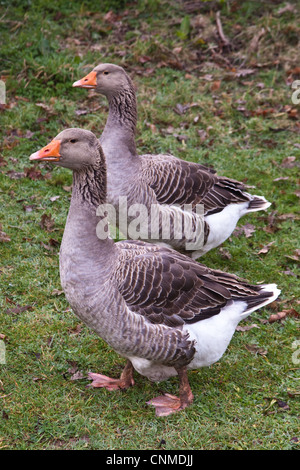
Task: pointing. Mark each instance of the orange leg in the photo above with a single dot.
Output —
(125, 380)
(168, 404)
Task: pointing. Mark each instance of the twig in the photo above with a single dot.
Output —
(255, 40)
(223, 38)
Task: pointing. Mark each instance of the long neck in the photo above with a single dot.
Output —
(119, 133)
(81, 245)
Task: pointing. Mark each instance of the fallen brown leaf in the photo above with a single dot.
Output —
(288, 7)
(57, 292)
(33, 173)
(283, 314)
(215, 85)
(15, 175)
(77, 375)
(266, 248)
(254, 349)
(224, 253)
(2, 161)
(244, 72)
(288, 272)
(295, 256)
(45, 107)
(247, 230)
(19, 309)
(47, 223)
(246, 327)
(287, 216)
(3, 236)
(29, 208)
(282, 178)
(288, 162)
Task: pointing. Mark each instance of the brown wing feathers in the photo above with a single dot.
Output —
(179, 182)
(168, 288)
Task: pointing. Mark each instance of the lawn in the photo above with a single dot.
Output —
(211, 89)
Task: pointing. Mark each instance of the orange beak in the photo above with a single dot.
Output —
(89, 81)
(50, 153)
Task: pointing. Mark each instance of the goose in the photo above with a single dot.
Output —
(164, 312)
(177, 188)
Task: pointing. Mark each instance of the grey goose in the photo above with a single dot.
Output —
(162, 311)
(166, 181)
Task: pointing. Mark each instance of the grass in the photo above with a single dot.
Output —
(245, 126)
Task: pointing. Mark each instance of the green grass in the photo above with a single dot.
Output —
(243, 126)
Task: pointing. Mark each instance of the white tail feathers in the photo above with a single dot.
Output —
(258, 203)
(274, 293)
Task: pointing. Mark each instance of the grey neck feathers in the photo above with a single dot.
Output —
(89, 184)
(88, 193)
(122, 119)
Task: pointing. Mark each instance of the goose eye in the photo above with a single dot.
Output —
(73, 141)
(105, 72)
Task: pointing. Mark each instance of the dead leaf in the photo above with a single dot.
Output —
(224, 253)
(111, 17)
(3, 236)
(287, 216)
(57, 292)
(47, 223)
(81, 112)
(53, 242)
(29, 207)
(33, 173)
(246, 327)
(255, 40)
(288, 162)
(19, 309)
(288, 7)
(262, 112)
(183, 108)
(254, 349)
(283, 314)
(45, 107)
(295, 256)
(152, 127)
(2, 161)
(247, 230)
(15, 175)
(283, 405)
(244, 72)
(215, 85)
(180, 108)
(266, 248)
(76, 330)
(288, 272)
(77, 375)
(38, 379)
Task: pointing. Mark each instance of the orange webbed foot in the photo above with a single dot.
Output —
(125, 381)
(166, 404)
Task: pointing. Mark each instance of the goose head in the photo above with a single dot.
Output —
(72, 148)
(107, 79)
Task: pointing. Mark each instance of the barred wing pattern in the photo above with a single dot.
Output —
(176, 181)
(170, 289)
